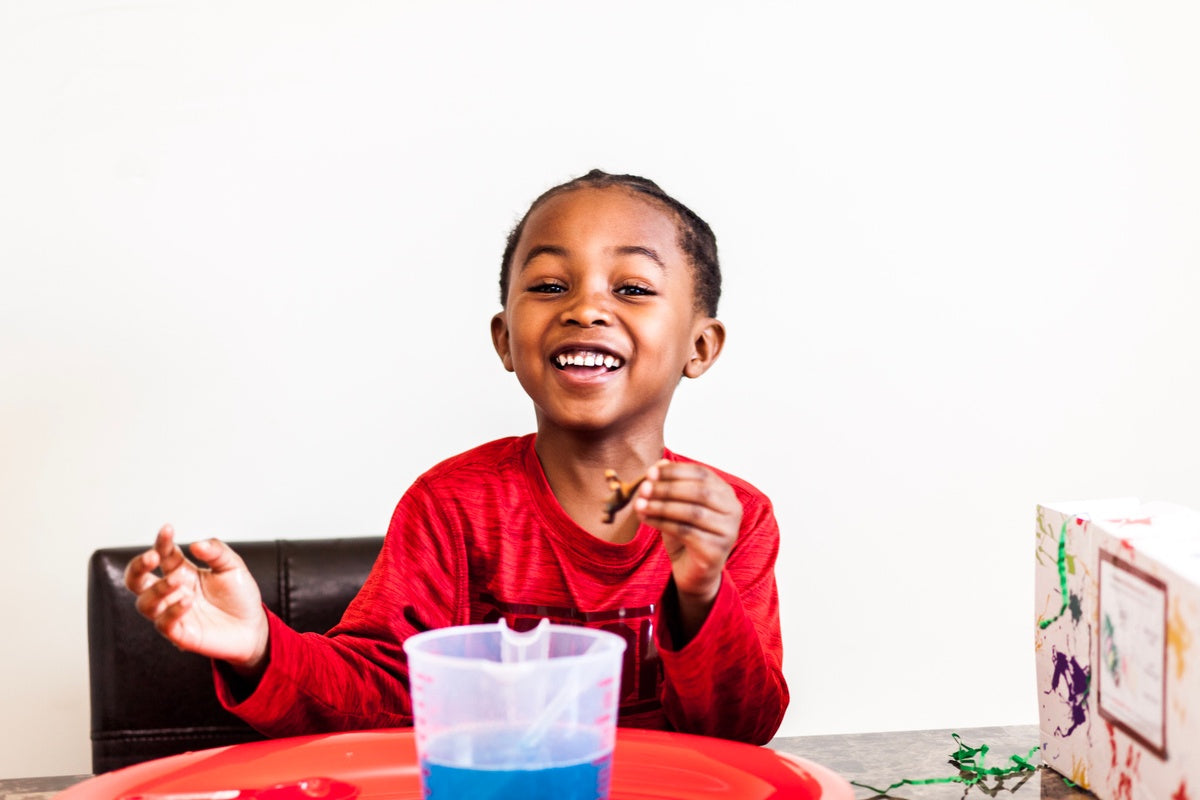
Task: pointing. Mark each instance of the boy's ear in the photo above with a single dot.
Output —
(707, 342)
(500, 340)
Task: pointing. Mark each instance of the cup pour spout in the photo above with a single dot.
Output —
(532, 645)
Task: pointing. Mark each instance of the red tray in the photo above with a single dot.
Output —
(647, 765)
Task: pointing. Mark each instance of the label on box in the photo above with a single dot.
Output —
(1132, 690)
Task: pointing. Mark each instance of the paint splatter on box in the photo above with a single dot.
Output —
(1117, 615)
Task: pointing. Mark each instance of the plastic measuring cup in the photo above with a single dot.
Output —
(502, 714)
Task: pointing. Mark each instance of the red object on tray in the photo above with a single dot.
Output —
(647, 765)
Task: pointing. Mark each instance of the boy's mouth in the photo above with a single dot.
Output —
(586, 358)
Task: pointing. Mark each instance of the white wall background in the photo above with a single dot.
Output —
(248, 253)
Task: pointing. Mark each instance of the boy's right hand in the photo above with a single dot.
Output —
(216, 612)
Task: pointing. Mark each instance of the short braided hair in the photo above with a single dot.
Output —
(696, 238)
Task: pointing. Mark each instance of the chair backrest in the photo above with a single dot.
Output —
(150, 700)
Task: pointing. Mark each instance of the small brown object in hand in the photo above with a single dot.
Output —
(622, 493)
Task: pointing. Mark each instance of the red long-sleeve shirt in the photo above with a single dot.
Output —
(481, 536)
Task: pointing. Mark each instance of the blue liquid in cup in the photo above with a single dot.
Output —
(566, 765)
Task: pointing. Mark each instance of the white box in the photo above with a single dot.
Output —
(1118, 621)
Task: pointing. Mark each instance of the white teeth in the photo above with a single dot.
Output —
(583, 358)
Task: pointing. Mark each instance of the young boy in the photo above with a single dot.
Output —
(609, 290)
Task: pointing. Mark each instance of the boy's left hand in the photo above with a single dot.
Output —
(699, 517)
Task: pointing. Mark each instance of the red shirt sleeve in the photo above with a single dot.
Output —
(356, 676)
(728, 680)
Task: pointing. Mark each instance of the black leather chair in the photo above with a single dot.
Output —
(150, 700)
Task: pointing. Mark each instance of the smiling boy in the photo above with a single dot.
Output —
(609, 290)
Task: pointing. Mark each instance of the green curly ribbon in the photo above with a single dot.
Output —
(1062, 577)
(970, 763)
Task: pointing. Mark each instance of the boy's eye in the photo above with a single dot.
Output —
(634, 290)
(547, 288)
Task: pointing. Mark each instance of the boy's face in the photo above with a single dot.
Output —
(600, 321)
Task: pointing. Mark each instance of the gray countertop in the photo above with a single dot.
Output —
(874, 759)
(882, 759)
(36, 788)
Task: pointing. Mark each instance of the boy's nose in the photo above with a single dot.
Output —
(590, 308)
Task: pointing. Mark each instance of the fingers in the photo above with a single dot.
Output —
(166, 592)
(170, 555)
(157, 592)
(207, 609)
(219, 556)
(699, 516)
(166, 601)
(139, 572)
(682, 497)
(171, 622)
